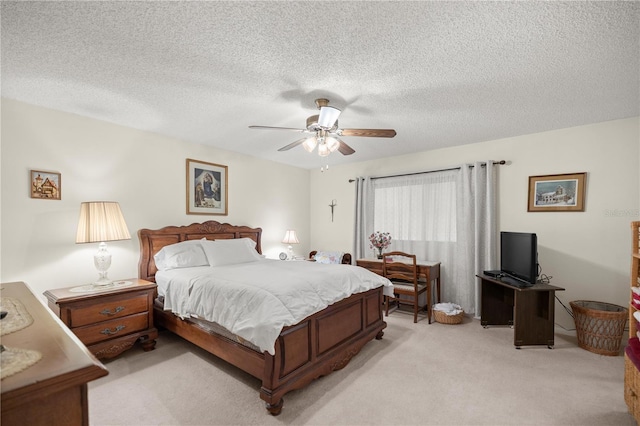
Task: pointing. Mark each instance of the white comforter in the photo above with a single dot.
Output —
(256, 300)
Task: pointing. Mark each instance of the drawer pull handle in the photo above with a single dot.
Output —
(110, 313)
(115, 330)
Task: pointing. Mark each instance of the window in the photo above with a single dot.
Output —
(418, 207)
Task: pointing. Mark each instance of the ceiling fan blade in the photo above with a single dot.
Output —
(292, 144)
(344, 148)
(278, 128)
(372, 133)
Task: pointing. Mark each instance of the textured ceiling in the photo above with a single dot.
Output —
(440, 73)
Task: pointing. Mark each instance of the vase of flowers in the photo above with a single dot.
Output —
(379, 241)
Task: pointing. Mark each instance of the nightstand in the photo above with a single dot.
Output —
(108, 321)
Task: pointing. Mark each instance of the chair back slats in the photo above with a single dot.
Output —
(402, 270)
(401, 266)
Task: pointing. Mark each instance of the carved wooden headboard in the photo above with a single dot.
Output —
(152, 240)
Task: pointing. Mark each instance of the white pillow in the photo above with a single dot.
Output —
(329, 257)
(185, 254)
(229, 252)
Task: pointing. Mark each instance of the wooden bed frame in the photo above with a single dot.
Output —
(321, 343)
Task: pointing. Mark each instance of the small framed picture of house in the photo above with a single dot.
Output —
(207, 188)
(557, 193)
(45, 185)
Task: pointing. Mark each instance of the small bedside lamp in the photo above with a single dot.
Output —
(290, 237)
(101, 221)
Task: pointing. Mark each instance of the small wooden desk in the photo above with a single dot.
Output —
(530, 310)
(430, 270)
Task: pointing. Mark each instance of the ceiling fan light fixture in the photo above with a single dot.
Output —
(332, 143)
(310, 144)
(323, 150)
(328, 116)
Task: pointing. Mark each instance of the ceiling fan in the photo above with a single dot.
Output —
(322, 131)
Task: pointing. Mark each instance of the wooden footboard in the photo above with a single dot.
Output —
(322, 343)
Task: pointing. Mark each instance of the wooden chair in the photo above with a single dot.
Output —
(401, 269)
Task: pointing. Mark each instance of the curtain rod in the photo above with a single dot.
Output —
(499, 163)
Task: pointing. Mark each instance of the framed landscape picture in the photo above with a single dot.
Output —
(207, 188)
(557, 193)
(45, 185)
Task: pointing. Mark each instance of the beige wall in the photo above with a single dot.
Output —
(143, 171)
(585, 252)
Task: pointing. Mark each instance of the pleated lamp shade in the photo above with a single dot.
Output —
(101, 221)
(290, 237)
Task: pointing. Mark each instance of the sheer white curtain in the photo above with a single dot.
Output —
(446, 216)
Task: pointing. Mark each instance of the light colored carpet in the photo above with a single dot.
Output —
(418, 374)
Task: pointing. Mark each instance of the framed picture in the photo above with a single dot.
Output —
(207, 189)
(557, 193)
(45, 185)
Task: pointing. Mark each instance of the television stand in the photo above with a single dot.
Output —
(530, 311)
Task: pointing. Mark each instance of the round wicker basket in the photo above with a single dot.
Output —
(599, 326)
(443, 318)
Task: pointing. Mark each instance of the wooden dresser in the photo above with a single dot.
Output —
(53, 390)
(109, 321)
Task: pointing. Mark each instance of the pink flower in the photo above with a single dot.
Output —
(379, 240)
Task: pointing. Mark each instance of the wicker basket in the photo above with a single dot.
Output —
(599, 326)
(443, 318)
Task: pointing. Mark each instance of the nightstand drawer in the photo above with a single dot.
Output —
(113, 328)
(105, 311)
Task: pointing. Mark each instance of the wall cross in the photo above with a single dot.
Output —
(332, 205)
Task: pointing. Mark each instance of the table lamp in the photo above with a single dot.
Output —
(290, 237)
(101, 221)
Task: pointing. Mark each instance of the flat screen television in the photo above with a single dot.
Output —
(519, 255)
